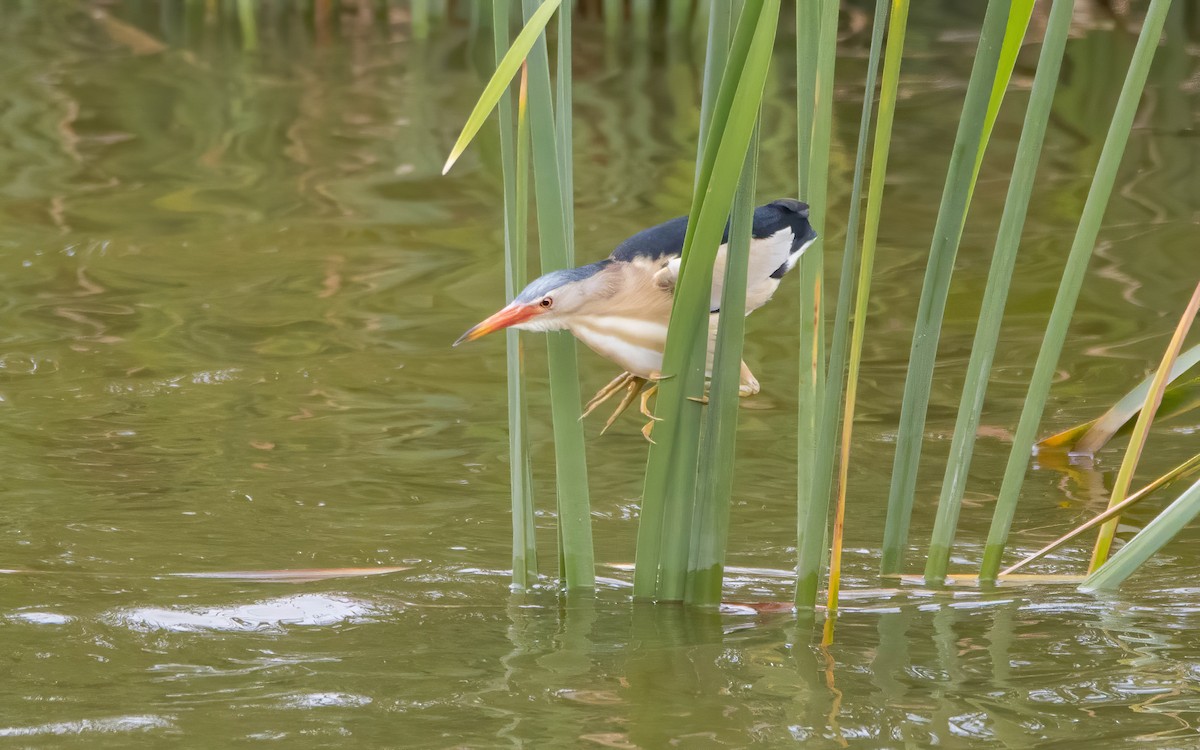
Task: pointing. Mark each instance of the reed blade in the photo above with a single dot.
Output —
(557, 250)
(960, 179)
(1014, 37)
(1069, 287)
(817, 30)
(1092, 436)
(1141, 431)
(506, 70)
(995, 295)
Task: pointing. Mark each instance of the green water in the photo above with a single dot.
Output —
(231, 281)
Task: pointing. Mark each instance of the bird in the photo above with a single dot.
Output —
(620, 306)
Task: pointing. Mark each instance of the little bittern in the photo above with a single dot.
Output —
(620, 306)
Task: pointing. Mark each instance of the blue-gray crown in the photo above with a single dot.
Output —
(547, 283)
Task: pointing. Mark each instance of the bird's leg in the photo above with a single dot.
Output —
(607, 391)
(635, 385)
(748, 386)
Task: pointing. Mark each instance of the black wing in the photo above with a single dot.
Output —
(666, 239)
(662, 241)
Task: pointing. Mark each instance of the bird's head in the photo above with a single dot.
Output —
(548, 302)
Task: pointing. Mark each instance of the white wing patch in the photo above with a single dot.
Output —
(794, 258)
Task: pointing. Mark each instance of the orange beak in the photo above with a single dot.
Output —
(509, 316)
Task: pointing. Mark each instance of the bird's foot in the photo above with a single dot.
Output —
(745, 390)
(627, 381)
(607, 392)
(634, 386)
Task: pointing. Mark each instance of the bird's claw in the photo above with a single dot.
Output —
(645, 405)
(644, 408)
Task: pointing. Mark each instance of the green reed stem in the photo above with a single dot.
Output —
(557, 251)
(614, 18)
(716, 51)
(811, 365)
(730, 141)
(679, 15)
(812, 455)
(669, 494)
(564, 123)
(650, 525)
(514, 161)
(642, 12)
(246, 21)
(947, 232)
(987, 331)
(1072, 282)
(842, 318)
(714, 490)
(419, 13)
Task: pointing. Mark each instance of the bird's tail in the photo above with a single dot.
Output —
(792, 205)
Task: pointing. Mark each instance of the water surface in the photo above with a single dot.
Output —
(232, 281)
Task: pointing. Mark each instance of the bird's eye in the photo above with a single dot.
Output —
(546, 302)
